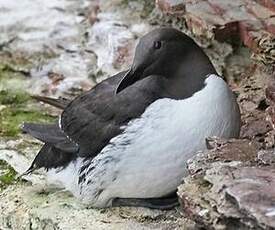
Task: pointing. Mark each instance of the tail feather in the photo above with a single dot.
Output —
(50, 133)
(44, 132)
(50, 157)
(58, 150)
(60, 102)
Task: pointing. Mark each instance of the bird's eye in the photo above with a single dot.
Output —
(157, 44)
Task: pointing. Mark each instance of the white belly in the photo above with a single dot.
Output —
(148, 158)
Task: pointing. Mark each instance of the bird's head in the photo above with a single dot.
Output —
(166, 52)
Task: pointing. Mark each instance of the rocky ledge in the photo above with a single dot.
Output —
(230, 186)
(248, 21)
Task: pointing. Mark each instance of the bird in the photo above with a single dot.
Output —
(126, 141)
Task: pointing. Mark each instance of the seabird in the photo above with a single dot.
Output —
(126, 141)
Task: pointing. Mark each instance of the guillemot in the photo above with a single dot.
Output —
(126, 141)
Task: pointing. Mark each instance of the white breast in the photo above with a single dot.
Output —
(148, 158)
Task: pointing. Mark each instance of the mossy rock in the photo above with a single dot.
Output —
(12, 118)
(7, 175)
(14, 111)
(15, 103)
(8, 97)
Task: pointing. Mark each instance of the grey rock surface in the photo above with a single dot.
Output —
(230, 187)
(27, 207)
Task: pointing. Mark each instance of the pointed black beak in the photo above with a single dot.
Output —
(130, 77)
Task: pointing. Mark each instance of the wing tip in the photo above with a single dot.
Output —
(24, 126)
(60, 102)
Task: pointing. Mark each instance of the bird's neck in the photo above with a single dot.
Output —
(189, 77)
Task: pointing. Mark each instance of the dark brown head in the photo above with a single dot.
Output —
(166, 52)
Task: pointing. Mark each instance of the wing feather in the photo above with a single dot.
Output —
(95, 117)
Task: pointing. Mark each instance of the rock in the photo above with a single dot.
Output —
(72, 45)
(243, 20)
(265, 51)
(175, 7)
(266, 157)
(268, 3)
(39, 26)
(27, 207)
(227, 188)
(62, 75)
(93, 11)
(270, 95)
(221, 150)
(253, 103)
(113, 37)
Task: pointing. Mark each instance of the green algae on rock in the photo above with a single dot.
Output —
(14, 111)
(7, 175)
(12, 118)
(8, 97)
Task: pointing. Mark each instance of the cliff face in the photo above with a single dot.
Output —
(62, 48)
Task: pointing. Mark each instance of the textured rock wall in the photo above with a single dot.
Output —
(251, 22)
